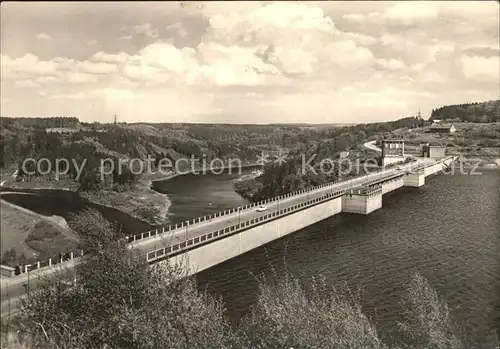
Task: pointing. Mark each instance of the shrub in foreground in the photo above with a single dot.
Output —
(120, 302)
(288, 316)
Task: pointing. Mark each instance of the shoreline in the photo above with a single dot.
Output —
(131, 202)
(103, 200)
(58, 223)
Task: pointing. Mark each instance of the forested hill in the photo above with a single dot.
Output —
(470, 112)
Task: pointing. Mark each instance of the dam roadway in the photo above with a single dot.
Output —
(13, 288)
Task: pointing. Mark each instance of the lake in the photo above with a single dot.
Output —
(447, 231)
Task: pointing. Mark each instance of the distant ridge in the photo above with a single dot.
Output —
(470, 112)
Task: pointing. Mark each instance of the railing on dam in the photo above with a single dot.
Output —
(62, 258)
(180, 247)
(210, 218)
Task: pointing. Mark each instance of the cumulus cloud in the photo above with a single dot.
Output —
(26, 66)
(410, 13)
(354, 17)
(121, 57)
(476, 67)
(144, 73)
(96, 68)
(168, 57)
(361, 39)
(296, 38)
(57, 70)
(145, 29)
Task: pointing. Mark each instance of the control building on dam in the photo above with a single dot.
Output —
(207, 241)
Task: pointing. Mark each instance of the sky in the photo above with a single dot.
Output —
(246, 62)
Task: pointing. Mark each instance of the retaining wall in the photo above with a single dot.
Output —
(362, 204)
(415, 180)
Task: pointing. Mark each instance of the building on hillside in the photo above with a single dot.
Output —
(433, 151)
(443, 128)
(393, 151)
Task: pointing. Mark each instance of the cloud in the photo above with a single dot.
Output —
(178, 28)
(391, 64)
(78, 95)
(26, 83)
(476, 67)
(145, 29)
(298, 39)
(231, 65)
(346, 53)
(43, 36)
(46, 79)
(168, 57)
(404, 13)
(126, 37)
(415, 55)
(410, 13)
(57, 70)
(118, 58)
(361, 39)
(290, 16)
(92, 42)
(26, 66)
(96, 68)
(116, 94)
(80, 78)
(354, 17)
(109, 94)
(482, 50)
(144, 73)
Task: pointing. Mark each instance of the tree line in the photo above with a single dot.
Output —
(41, 122)
(289, 176)
(469, 112)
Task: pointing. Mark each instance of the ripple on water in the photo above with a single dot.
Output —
(447, 231)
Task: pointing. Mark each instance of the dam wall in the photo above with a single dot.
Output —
(222, 250)
(392, 184)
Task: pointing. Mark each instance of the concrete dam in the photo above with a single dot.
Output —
(284, 215)
(207, 241)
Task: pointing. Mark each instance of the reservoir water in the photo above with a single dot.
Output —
(194, 196)
(447, 230)
(64, 204)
